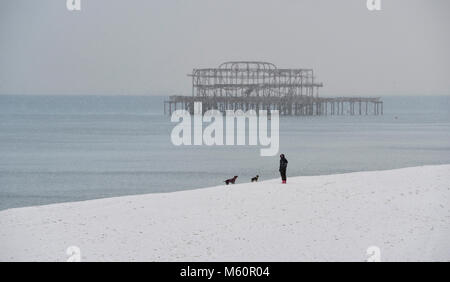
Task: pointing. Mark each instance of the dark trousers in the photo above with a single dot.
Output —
(283, 174)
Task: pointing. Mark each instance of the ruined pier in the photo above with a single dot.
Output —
(262, 86)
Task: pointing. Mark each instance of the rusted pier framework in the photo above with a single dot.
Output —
(261, 85)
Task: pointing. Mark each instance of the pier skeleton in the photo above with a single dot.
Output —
(249, 85)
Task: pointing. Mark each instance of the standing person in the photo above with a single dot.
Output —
(283, 167)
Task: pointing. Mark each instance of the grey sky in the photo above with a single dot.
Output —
(147, 47)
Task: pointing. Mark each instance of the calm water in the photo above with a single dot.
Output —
(58, 149)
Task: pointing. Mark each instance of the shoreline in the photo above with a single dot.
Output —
(212, 187)
(315, 218)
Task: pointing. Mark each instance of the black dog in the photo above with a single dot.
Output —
(255, 179)
(231, 180)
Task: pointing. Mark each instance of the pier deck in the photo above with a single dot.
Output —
(296, 106)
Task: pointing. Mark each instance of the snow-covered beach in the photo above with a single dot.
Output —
(404, 212)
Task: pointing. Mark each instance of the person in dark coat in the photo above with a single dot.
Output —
(283, 167)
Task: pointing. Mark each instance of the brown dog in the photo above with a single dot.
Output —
(255, 179)
(231, 180)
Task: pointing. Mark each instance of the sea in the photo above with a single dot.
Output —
(56, 149)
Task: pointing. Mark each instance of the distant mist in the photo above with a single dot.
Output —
(146, 47)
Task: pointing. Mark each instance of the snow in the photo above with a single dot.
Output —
(404, 212)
